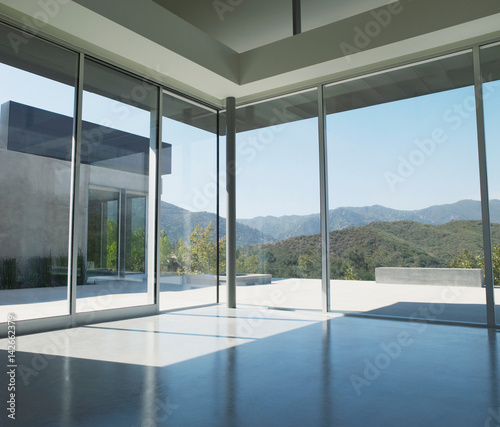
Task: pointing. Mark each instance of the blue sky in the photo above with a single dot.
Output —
(193, 182)
(408, 154)
(374, 153)
(278, 170)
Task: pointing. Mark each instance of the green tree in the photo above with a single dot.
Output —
(138, 250)
(251, 265)
(112, 245)
(306, 264)
(181, 257)
(240, 261)
(166, 252)
(467, 260)
(112, 256)
(203, 250)
(309, 264)
(496, 264)
(222, 254)
(350, 274)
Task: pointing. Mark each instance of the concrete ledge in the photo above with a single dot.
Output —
(201, 280)
(468, 277)
(250, 279)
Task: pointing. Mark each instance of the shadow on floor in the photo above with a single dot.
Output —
(470, 313)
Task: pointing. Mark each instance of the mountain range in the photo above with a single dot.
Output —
(279, 228)
(179, 223)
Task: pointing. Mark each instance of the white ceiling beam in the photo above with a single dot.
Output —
(144, 37)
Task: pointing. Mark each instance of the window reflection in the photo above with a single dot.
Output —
(37, 97)
(114, 191)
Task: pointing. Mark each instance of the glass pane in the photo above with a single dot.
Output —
(37, 84)
(490, 68)
(278, 240)
(188, 254)
(114, 191)
(405, 212)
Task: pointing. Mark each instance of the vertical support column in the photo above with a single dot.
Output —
(483, 178)
(217, 208)
(231, 201)
(75, 195)
(296, 17)
(154, 196)
(324, 205)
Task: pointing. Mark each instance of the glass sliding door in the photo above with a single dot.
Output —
(116, 184)
(37, 92)
(277, 186)
(490, 70)
(405, 211)
(188, 223)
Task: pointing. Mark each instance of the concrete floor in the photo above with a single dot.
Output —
(251, 366)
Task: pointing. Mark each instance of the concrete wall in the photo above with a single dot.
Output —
(469, 277)
(34, 205)
(35, 197)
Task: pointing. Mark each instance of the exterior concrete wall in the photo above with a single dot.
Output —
(35, 197)
(34, 205)
(468, 277)
(35, 178)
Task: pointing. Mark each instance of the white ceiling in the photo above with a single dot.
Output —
(243, 25)
(247, 50)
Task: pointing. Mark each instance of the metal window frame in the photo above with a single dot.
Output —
(324, 203)
(485, 201)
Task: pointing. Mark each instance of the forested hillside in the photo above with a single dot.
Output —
(356, 251)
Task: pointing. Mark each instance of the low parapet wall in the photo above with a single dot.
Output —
(200, 280)
(250, 279)
(469, 277)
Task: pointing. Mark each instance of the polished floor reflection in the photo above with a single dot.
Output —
(212, 366)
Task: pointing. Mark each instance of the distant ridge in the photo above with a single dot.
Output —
(179, 223)
(284, 227)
